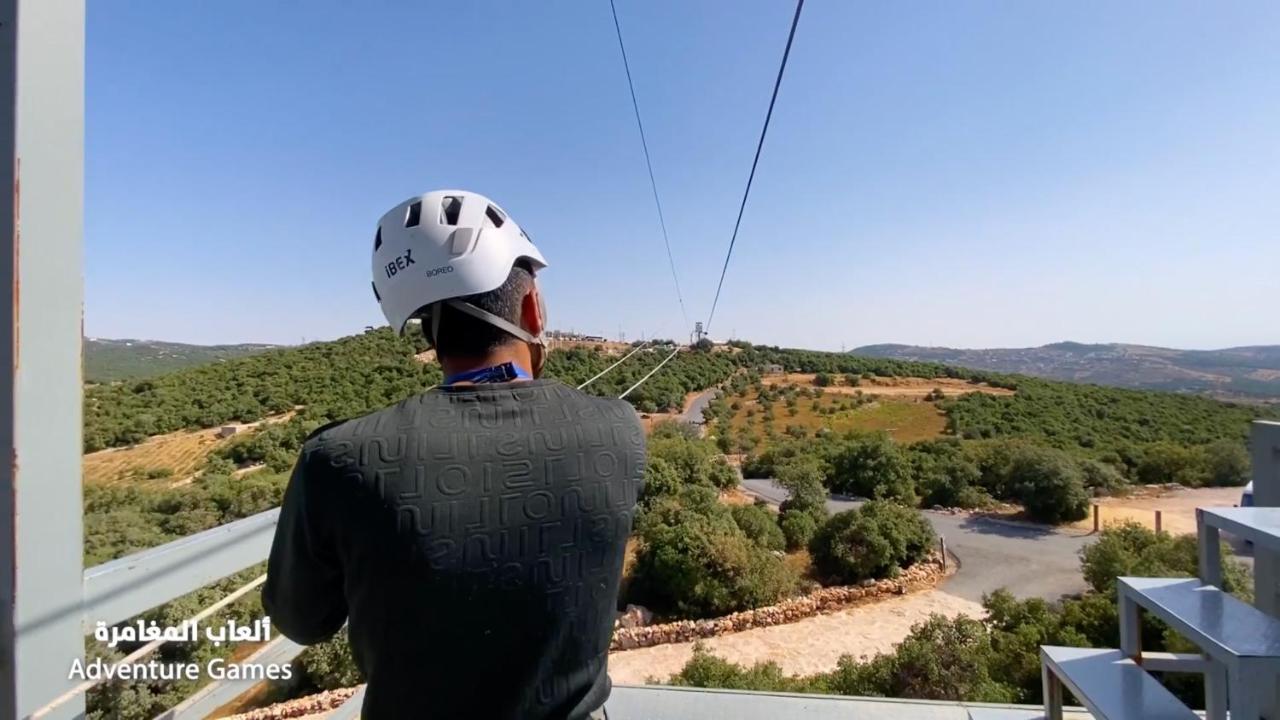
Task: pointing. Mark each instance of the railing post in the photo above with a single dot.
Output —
(1159, 524)
(1264, 446)
(41, 226)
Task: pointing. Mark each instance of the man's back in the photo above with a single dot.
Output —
(475, 536)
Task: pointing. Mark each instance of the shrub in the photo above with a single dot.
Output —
(660, 479)
(694, 561)
(1133, 550)
(798, 529)
(871, 466)
(1226, 464)
(329, 665)
(705, 670)
(1100, 476)
(690, 458)
(1049, 485)
(722, 475)
(942, 659)
(822, 379)
(1166, 462)
(945, 476)
(876, 540)
(760, 525)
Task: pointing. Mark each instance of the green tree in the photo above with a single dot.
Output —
(802, 477)
(874, 541)
(1168, 462)
(1133, 550)
(694, 561)
(721, 474)
(798, 529)
(760, 526)
(871, 466)
(1226, 464)
(1049, 485)
(660, 480)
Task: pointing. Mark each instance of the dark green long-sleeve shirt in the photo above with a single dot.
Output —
(472, 538)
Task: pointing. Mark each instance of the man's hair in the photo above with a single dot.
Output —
(461, 335)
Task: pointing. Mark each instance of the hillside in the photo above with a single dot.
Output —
(921, 433)
(346, 378)
(108, 360)
(1239, 373)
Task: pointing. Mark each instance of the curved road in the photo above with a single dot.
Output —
(693, 414)
(1028, 560)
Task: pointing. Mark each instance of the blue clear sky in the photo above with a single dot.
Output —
(950, 173)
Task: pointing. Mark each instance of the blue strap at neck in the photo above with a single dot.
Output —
(506, 372)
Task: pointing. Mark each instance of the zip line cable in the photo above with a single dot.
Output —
(600, 374)
(759, 146)
(648, 163)
(650, 374)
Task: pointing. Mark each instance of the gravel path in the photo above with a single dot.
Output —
(804, 647)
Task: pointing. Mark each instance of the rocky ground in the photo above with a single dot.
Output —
(807, 646)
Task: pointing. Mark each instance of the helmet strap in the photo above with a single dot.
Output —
(435, 322)
(494, 320)
(538, 347)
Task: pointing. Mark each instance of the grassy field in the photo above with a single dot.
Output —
(905, 420)
(898, 406)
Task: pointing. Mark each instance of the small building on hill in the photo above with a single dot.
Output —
(227, 431)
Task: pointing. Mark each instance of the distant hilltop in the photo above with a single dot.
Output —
(107, 360)
(1240, 373)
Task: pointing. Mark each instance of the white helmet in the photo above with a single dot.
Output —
(445, 245)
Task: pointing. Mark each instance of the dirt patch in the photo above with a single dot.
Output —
(179, 454)
(893, 387)
(736, 496)
(1177, 508)
(805, 647)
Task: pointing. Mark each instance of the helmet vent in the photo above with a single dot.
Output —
(414, 215)
(495, 216)
(450, 209)
(377, 239)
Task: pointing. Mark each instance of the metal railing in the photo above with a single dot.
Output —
(121, 589)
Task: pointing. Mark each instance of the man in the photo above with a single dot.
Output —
(471, 537)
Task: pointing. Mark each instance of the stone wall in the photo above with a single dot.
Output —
(819, 602)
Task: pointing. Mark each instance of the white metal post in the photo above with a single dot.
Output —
(1264, 446)
(41, 211)
(1264, 442)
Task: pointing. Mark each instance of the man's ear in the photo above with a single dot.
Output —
(531, 318)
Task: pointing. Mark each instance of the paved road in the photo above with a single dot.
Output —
(693, 415)
(1029, 560)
